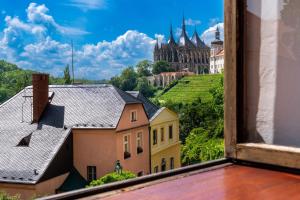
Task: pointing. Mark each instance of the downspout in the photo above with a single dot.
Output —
(149, 128)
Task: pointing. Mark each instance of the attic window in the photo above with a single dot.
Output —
(25, 141)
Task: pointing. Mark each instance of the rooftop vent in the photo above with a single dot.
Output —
(25, 141)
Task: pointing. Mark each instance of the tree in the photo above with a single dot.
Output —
(200, 147)
(144, 87)
(112, 177)
(67, 76)
(143, 68)
(162, 66)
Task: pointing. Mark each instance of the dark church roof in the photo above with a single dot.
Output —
(197, 41)
(171, 40)
(95, 106)
(184, 40)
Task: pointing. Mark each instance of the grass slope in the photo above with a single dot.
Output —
(191, 87)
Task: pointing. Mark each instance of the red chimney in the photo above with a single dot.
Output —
(40, 90)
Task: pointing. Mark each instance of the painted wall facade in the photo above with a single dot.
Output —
(165, 147)
(102, 148)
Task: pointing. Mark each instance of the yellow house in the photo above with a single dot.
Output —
(165, 144)
(164, 135)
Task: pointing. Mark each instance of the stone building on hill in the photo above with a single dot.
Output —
(185, 54)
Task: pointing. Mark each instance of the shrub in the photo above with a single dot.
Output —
(4, 196)
(112, 177)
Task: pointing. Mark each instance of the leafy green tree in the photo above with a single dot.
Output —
(112, 177)
(200, 147)
(67, 76)
(162, 66)
(116, 81)
(144, 87)
(128, 79)
(143, 68)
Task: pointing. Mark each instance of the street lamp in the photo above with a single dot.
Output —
(118, 167)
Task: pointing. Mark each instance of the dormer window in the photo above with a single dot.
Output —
(133, 116)
(24, 142)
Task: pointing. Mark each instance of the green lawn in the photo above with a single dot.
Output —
(191, 87)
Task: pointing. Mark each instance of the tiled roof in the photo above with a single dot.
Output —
(150, 108)
(96, 106)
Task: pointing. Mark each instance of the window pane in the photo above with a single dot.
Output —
(272, 66)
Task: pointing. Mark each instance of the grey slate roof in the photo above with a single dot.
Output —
(96, 106)
(149, 107)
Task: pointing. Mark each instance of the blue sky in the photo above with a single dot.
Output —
(108, 35)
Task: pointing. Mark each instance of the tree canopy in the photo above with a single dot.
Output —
(161, 66)
(143, 68)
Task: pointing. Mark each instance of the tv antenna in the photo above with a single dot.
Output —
(72, 62)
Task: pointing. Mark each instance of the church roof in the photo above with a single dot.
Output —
(184, 39)
(171, 37)
(197, 41)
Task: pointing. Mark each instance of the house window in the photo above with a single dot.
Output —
(154, 136)
(171, 132)
(162, 134)
(155, 169)
(163, 164)
(133, 116)
(139, 142)
(91, 173)
(126, 143)
(171, 163)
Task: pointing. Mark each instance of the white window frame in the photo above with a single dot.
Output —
(127, 142)
(139, 139)
(136, 118)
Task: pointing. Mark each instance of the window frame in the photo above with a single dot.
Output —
(162, 134)
(236, 147)
(171, 132)
(128, 142)
(172, 163)
(133, 119)
(154, 142)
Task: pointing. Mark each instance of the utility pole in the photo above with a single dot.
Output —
(72, 62)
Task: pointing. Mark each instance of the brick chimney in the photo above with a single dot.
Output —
(40, 90)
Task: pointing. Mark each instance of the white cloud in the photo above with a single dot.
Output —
(160, 38)
(30, 44)
(209, 34)
(37, 14)
(192, 22)
(213, 21)
(88, 4)
(178, 32)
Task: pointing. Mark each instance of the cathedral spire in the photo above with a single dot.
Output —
(171, 37)
(183, 24)
(217, 33)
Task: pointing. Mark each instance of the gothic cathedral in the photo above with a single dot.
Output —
(186, 54)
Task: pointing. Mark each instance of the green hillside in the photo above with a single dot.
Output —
(191, 87)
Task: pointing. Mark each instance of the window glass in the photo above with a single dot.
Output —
(171, 163)
(154, 136)
(162, 134)
(272, 69)
(170, 132)
(133, 116)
